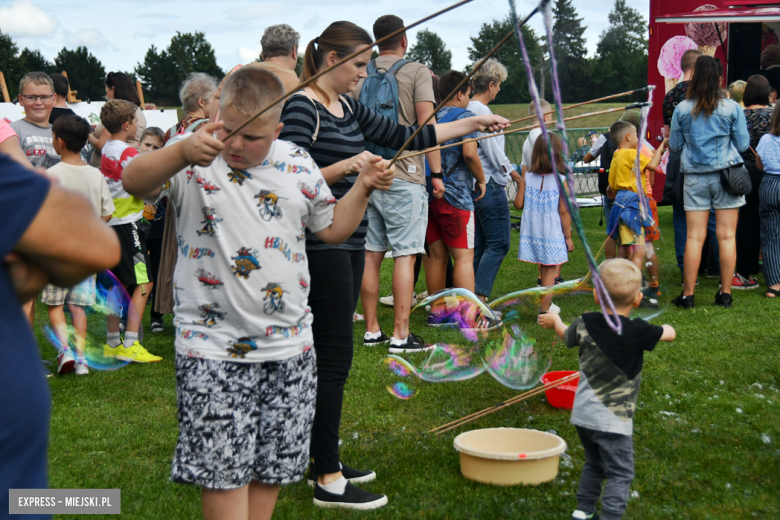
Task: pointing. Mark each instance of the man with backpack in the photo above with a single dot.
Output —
(397, 219)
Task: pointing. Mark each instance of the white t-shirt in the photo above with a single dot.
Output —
(241, 282)
(528, 147)
(116, 156)
(88, 181)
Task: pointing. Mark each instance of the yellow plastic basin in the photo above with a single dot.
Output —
(509, 456)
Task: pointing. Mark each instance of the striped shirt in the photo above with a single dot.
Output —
(342, 138)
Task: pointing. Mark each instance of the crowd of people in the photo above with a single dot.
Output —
(297, 211)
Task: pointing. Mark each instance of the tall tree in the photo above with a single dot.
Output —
(515, 88)
(163, 72)
(85, 72)
(570, 51)
(431, 52)
(11, 65)
(621, 55)
(34, 60)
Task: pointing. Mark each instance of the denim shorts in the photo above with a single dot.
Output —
(397, 219)
(703, 191)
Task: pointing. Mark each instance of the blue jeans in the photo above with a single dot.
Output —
(608, 203)
(681, 235)
(491, 237)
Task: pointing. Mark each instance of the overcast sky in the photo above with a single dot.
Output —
(119, 32)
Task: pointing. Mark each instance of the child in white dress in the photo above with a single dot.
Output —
(545, 230)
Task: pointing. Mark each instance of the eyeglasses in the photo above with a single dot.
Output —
(45, 99)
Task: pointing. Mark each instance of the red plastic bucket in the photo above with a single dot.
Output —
(561, 396)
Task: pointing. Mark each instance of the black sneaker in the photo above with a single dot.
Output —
(381, 340)
(157, 326)
(539, 282)
(723, 299)
(712, 274)
(353, 475)
(559, 279)
(412, 344)
(649, 303)
(684, 302)
(353, 498)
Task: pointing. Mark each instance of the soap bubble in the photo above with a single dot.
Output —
(401, 391)
(399, 368)
(516, 361)
(102, 299)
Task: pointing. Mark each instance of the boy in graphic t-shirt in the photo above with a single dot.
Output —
(245, 367)
(37, 97)
(605, 402)
(119, 118)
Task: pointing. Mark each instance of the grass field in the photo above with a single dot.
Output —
(707, 433)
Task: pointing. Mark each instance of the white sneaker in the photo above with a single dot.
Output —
(390, 301)
(65, 363)
(358, 317)
(80, 369)
(422, 296)
(554, 308)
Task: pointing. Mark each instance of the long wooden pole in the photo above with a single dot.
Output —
(522, 129)
(477, 415)
(340, 63)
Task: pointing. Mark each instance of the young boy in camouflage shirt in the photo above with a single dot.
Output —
(610, 372)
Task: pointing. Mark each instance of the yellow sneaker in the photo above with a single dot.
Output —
(136, 353)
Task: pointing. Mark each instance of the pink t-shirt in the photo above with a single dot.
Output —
(6, 131)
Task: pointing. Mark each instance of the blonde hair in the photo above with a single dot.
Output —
(622, 280)
(490, 71)
(737, 90)
(249, 89)
(546, 107)
(116, 113)
(36, 78)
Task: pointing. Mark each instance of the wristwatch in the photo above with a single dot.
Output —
(437, 175)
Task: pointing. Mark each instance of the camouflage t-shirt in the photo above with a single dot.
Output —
(610, 367)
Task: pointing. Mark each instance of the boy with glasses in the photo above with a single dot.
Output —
(37, 97)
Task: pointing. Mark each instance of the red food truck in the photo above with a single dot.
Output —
(743, 34)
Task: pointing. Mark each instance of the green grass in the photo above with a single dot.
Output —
(696, 457)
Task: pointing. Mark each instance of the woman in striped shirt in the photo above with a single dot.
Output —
(334, 129)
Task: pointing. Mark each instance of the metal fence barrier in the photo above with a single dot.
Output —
(585, 175)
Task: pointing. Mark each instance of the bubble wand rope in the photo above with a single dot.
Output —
(457, 88)
(524, 128)
(503, 404)
(571, 200)
(340, 63)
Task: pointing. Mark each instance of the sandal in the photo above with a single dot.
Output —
(774, 292)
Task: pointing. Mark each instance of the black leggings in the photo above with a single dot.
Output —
(336, 277)
(749, 228)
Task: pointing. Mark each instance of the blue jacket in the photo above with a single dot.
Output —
(709, 144)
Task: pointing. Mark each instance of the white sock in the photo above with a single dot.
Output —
(372, 335)
(113, 339)
(337, 487)
(130, 338)
(398, 342)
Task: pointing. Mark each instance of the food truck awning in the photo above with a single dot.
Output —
(741, 14)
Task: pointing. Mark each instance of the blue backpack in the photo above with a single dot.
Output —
(380, 94)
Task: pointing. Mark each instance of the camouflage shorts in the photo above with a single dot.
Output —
(244, 421)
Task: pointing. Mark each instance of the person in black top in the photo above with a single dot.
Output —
(61, 88)
(608, 387)
(334, 129)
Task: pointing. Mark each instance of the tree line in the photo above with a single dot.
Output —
(620, 61)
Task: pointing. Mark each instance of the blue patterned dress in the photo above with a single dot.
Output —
(541, 236)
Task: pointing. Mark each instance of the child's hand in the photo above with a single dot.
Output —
(356, 163)
(202, 147)
(548, 320)
(480, 187)
(663, 144)
(489, 124)
(438, 188)
(569, 245)
(376, 174)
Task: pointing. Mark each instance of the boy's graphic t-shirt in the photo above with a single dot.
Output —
(621, 171)
(458, 181)
(610, 370)
(36, 143)
(241, 283)
(115, 157)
